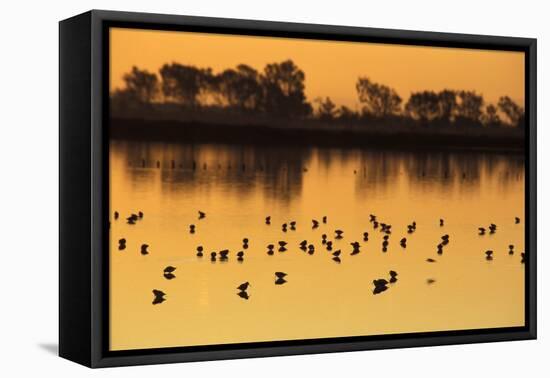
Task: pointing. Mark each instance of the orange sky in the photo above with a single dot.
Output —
(331, 67)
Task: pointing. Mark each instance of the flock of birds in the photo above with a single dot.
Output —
(380, 284)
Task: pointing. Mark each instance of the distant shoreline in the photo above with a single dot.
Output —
(402, 138)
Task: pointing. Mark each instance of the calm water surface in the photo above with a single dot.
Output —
(238, 186)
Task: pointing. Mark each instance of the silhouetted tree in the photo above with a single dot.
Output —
(240, 87)
(377, 99)
(347, 115)
(513, 111)
(284, 94)
(469, 107)
(447, 105)
(141, 85)
(184, 84)
(423, 106)
(327, 109)
(490, 117)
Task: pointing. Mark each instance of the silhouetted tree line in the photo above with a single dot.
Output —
(280, 90)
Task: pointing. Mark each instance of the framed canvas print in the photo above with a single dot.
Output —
(234, 188)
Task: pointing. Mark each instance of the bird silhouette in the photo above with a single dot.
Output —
(199, 251)
(140, 214)
(336, 253)
(441, 222)
(223, 254)
(365, 236)
(516, 219)
(380, 285)
(192, 228)
(244, 286)
(489, 255)
(116, 215)
(159, 296)
(315, 223)
(481, 231)
(144, 250)
(430, 281)
(280, 281)
(293, 225)
(511, 249)
(393, 276)
(430, 260)
(522, 257)
(338, 234)
(202, 215)
(213, 256)
(268, 220)
(337, 259)
(280, 274)
(325, 219)
(403, 242)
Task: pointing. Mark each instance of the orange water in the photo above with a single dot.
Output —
(321, 298)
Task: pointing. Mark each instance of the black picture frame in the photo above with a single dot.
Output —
(83, 195)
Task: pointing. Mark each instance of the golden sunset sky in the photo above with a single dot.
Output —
(331, 67)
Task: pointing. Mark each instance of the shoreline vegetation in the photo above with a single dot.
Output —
(242, 105)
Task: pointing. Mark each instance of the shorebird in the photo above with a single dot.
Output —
(169, 272)
(159, 296)
(243, 286)
(223, 254)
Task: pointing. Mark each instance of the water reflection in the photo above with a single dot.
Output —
(279, 172)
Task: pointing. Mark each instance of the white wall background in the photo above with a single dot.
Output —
(29, 186)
